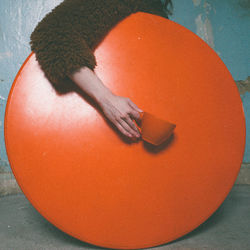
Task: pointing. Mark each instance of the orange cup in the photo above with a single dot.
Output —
(153, 129)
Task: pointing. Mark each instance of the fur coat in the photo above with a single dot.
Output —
(65, 39)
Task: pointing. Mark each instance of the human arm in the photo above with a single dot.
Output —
(119, 110)
(62, 52)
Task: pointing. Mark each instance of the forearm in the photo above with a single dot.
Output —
(119, 110)
(91, 84)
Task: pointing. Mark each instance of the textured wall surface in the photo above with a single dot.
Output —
(223, 24)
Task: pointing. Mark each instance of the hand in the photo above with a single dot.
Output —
(120, 111)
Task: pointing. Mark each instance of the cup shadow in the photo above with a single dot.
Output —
(153, 149)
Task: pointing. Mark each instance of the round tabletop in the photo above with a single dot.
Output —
(88, 180)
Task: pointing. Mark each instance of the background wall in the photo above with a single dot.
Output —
(223, 24)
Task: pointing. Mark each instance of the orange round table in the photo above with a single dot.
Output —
(88, 180)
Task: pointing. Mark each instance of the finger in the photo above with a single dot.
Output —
(122, 130)
(134, 114)
(134, 106)
(128, 128)
(132, 125)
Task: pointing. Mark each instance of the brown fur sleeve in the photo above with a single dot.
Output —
(61, 53)
(59, 49)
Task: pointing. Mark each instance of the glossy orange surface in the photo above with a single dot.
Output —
(89, 181)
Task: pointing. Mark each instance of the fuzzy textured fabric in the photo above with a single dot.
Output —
(65, 39)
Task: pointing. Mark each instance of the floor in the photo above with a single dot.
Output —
(22, 227)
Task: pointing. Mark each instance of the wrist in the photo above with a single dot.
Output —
(103, 97)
